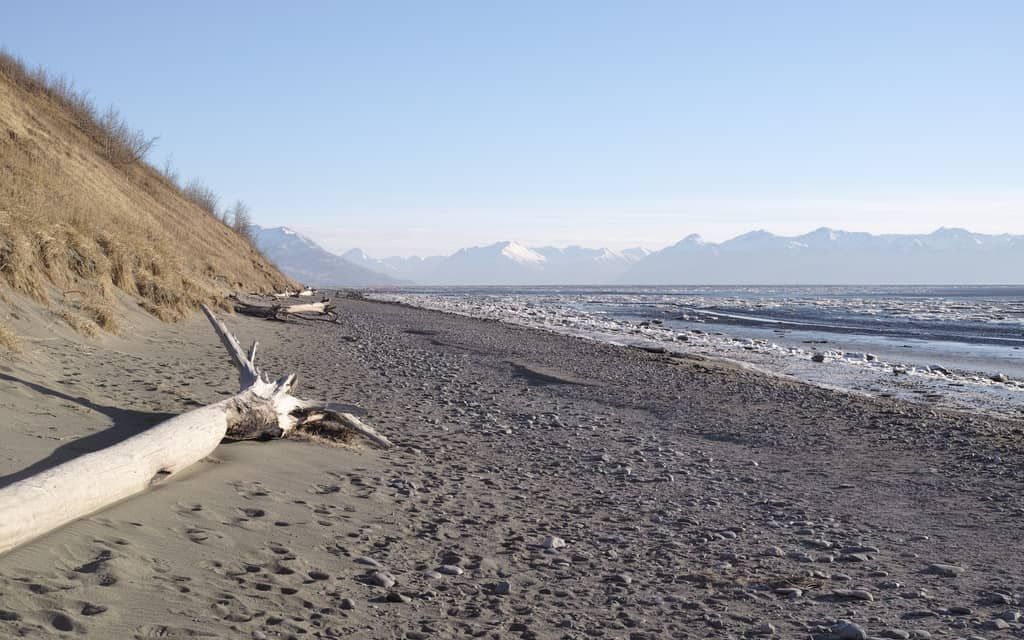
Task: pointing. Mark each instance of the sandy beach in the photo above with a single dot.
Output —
(543, 486)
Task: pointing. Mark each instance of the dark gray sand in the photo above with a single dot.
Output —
(543, 487)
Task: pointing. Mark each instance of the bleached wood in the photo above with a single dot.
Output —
(260, 410)
(31, 507)
(281, 312)
(309, 307)
(363, 430)
(247, 372)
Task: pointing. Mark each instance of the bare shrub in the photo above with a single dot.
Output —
(122, 145)
(170, 174)
(202, 195)
(239, 219)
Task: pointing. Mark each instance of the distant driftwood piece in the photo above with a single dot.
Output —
(261, 410)
(294, 294)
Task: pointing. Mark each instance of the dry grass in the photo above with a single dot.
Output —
(82, 325)
(8, 341)
(80, 211)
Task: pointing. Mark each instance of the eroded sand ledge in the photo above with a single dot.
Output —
(695, 499)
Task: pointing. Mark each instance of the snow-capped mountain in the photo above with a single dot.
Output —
(499, 263)
(508, 263)
(309, 263)
(360, 258)
(823, 256)
(829, 256)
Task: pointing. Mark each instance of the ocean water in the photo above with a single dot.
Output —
(951, 345)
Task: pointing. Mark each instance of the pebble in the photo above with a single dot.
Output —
(946, 570)
(845, 630)
(998, 598)
(394, 596)
(765, 629)
(383, 579)
(853, 594)
(348, 604)
(790, 592)
(451, 570)
(554, 542)
(503, 588)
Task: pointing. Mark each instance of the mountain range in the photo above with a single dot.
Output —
(823, 256)
(309, 263)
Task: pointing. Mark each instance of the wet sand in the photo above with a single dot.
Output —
(694, 499)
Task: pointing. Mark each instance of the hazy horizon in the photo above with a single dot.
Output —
(319, 238)
(409, 129)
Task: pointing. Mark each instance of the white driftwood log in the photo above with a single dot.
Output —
(322, 310)
(308, 307)
(261, 410)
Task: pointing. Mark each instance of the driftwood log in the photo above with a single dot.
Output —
(322, 310)
(294, 294)
(261, 410)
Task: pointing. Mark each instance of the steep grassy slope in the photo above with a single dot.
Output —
(78, 222)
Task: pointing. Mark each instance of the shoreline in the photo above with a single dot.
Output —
(694, 498)
(856, 372)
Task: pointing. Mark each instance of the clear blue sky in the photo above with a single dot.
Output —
(419, 127)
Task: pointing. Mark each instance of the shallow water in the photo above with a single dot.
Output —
(946, 346)
(970, 329)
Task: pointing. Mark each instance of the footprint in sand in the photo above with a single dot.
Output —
(63, 622)
(89, 609)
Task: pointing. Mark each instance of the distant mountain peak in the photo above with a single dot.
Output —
(520, 253)
(356, 254)
(824, 233)
(951, 231)
(309, 263)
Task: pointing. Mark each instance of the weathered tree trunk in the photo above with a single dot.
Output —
(261, 410)
(282, 312)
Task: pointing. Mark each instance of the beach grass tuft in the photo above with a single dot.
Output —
(8, 340)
